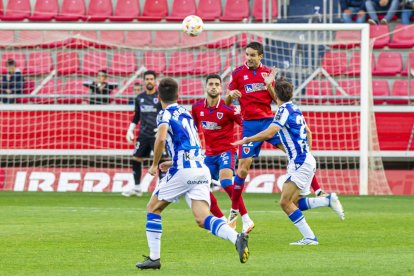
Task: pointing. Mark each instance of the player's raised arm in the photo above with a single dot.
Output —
(309, 135)
(159, 147)
(269, 82)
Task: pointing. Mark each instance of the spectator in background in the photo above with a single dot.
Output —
(100, 87)
(351, 8)
(12, 82)
(407, 11)
(374, 7)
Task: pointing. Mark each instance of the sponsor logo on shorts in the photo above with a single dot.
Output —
(198, 180)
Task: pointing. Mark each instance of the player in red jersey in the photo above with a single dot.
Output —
(252, 85)
(216, 121)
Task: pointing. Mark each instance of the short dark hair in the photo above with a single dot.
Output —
(284, 90)
(168, 90)
(10, 62)
(213, 76)
(103, 72)
(150, 72)
(256, 46)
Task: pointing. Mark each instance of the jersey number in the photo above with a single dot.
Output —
(192, 132)
(300, 120)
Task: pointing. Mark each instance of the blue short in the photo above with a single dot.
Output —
(215, 163)
(252, 127)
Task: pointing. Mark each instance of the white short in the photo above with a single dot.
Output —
(194, 183)
(301, 176)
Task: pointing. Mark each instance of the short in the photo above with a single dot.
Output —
(144, 146)
(252, 127)
(301, 176)
(215, 163)
(193, 183)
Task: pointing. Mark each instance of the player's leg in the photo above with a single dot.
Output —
(154, 232)
(289, 195)
(239, 179)
(214, 207)
(210, 162)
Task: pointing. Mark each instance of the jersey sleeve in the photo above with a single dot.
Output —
(236, 115)
(281, 117)
(233, 81)
(137, 113)
(194, 115)
(163, 117)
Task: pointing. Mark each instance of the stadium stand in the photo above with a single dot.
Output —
(138, 39)
(257, 10)
(155, 61)
(388, 64)
(380, 91)
(17, 10)
(154, 10)
(45, 10)
(380, 34)
(180, 9)
(209, 10)
(403, 37)
(236, 10)
(67, 63)
(166, 39)
(180, 63)
(207, 63)
(18, 57)
(123, 63)
(93, 62)
(335, 63)
(318, 92)
(99, 10)
(126, 10)
(39, 63)
(72, 10)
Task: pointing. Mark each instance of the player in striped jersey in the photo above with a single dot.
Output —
(187, 176)
(291, 127)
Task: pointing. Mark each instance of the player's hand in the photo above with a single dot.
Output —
(269, 79)
(130, 136)
(237, 110)
(239, 142)
(153, 170)
(164, 166)
(235, 94)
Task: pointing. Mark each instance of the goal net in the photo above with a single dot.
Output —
(57, 135)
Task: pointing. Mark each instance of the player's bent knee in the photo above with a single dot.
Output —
(284, 202)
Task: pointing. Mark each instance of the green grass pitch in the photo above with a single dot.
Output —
(104, 234)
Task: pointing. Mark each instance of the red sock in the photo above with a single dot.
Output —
(315, 185)
(214, 208)
(242, 207)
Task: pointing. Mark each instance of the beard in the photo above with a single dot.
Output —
(213, 96)
(150, 86)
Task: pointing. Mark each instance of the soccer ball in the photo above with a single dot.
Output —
(192, 25)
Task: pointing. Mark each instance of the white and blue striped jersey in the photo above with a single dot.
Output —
(292, 132)
(183, 144)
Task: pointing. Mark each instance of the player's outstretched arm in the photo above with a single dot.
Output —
(309, 135)
(159, 147)
(269, 82)
(261, 136)
(232, 95)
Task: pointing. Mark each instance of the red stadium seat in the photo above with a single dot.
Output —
(236, 10)
(28, 87)
(154, 10)
(209, 10)
(93, 62)
(380, 34)
(126, 10)
(234, 60)
(380, 91)
(138, 38)
(257, 11)
(246, 38)
(67, 63)
(352, 88)
(347, 39)
(166, 39)
(388, 64)
(72, 10)
(190, 90)
(180, 9)
(402, 36)
(39, 63)
(99, 10)
(129, 91)
(48, 91)
(123, 63)
(112, 38)
(181, 63)
(73, 88)
(194, 41)
(227, 40)
(45, 10)
(354, 67)
(335, 63)
(17, 10)
(409, 65)
(155, 61)
(207, 63)
(18, 57)
(53, 39)
(30, 39)
(1, 10)
(402, 88)
(318, 92)
(6, 37)
(83, 40)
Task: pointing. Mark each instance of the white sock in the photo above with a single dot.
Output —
(246, 218)
(316, 202)
(219, 228)
(305, 229)
(154, 244)
(137, 187)
(227, 233)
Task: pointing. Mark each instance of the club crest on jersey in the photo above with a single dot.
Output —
(264, 74)
(246, 150)
(155, 100)
(245, 77)
(219, 115)
(201, 113)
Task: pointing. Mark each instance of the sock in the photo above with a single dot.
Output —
(315, 185)
(214, 208)
(137, 172)
(313, 202)
(246, 218)
(237, 191)
(299, 221)
(219, 228)
(154, 232)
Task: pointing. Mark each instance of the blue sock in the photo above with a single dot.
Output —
(220, 228)
(225, 183)
(154, 232)
(303, 204)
